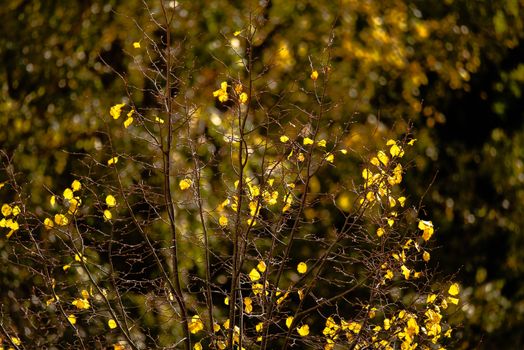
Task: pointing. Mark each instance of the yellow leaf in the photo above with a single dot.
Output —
(454, 289)
(284, 139)
(116, 110)
(196, 325)
(71, 319)
(243, 98)
(110, 201)
(128, 122)
(79, 257)
(136, 45)
(303, 330)
(383, 157)
(16, 341)
(6, 210)
(52, 201)
(282, 298)
(76, 185)
(73, 205)
(405, 271)
(184, 184)
(396, 151)
(427, 228)
(82, 304)
(238, 88)
(111, 323)
(197, 346)
(85, 294)
(307, 141)
(453, 300)
(289, 321)
(107, 215)
(254, 275)
(248, 307)
(261, 266)
(48, 223)
(426, 256)
(16, 210)
(302, 268)
(61, 220)
(223, 221)
(314, 75)
(258, 288)
(391, 142)
(380, 232)
(431, 298)
(10, 233)
(392, 202)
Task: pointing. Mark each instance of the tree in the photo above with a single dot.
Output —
(205, 224)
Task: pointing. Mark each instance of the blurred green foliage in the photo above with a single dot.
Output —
(454, 69)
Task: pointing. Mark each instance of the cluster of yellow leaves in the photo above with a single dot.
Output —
(409, 332)
(78, 258)
(116, 110)
(9, 220)
(112, 161)
(379, 188)
(407, 326)
(248, 305)
(221, 93)
(333, 330)
(306, 141)
(82, 303)
(302, 330)
(111, 203)
(257, 199)
(427, 229)
(196, 324)
(402, 258)
(71, 200)
(378, 185)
